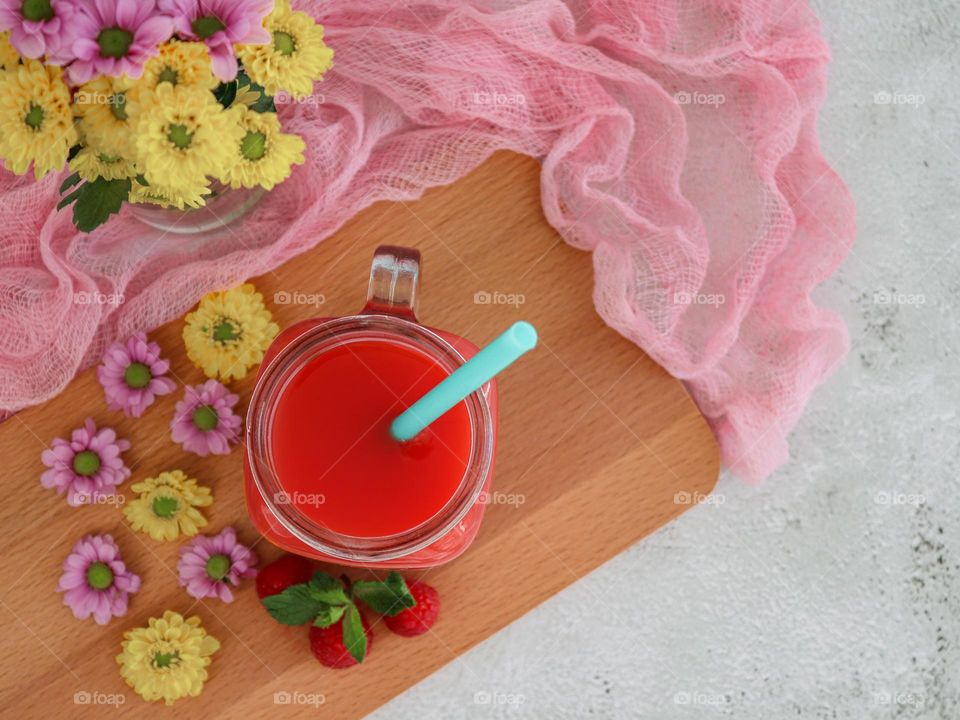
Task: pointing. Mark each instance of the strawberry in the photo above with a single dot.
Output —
(418, 619)
(327, 644)
(281, 574)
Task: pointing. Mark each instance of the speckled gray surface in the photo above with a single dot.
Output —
(833, 591)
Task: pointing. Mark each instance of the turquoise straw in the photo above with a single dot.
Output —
(520, 338)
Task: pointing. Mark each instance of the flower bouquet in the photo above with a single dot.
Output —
(150, 101)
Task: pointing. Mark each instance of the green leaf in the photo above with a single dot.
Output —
(329, 615)
(321, 601)
(226, 93)
(354, 638)
(327, 589)
(69, 199)
(69, 182)
(265, 102)
(294, 606)
(97, 201)
(389, 597)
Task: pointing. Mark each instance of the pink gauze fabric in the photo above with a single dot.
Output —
(678, 145)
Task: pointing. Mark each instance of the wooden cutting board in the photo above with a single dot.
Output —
(595, 439)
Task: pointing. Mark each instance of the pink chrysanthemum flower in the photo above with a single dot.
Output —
(37, 27)
(95, 580)
(115, 37)
(212, 565)
(88, 467)
(204, 421)
(221, 24)
(133, 374)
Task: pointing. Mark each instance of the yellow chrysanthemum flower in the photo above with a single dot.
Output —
(167, 659)
(36, 123)
(101, 105)
(265, 155)
(9, 57)
(178, 63)
(295, 58)
(228, 332)
(167, 506)
(183, 136)
(91, 164)
(168, 197)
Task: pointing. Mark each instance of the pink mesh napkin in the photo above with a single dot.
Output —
(678, 145)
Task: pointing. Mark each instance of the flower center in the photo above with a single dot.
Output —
(207, 26)
(118, 104)
(180, 136)
(86, 463)
(254, 145)
(205, 418)
(114, 42)
(37, 10)
(137, 375)
(165, 507)
(218, 566)
(99, 576)
(162, 659)
(226, 331)
(34, 117)
(168, 74)
(284, 43)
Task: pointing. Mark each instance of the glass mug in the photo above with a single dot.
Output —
(413, 505)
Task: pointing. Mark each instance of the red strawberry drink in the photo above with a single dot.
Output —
(323, 476)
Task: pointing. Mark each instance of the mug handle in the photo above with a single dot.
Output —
(394, 281)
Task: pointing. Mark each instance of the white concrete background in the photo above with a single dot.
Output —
(832, 591)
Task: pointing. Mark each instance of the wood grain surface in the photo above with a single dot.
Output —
(595, 442)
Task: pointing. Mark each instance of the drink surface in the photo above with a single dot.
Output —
(332, 449)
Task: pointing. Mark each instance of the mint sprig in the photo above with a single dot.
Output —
(324, 601)
(328, 589)
(390, 597)
(303, 603)
(294, 606)
(329, 615)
